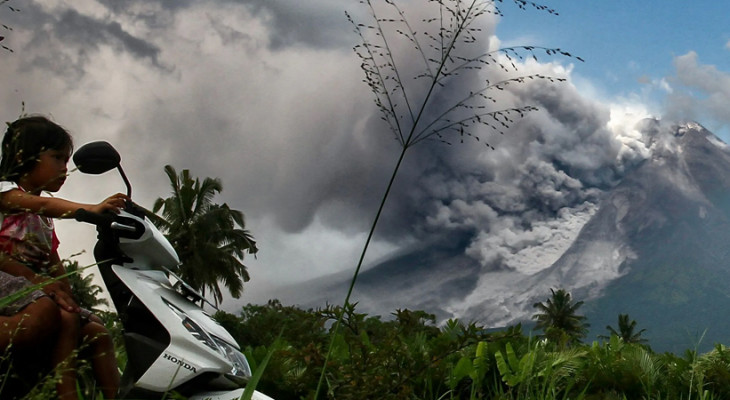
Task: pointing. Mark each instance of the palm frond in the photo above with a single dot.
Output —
(209, 238)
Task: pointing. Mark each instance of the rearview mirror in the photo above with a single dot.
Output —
(96, 158)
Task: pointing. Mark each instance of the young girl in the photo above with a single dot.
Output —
(35, 152)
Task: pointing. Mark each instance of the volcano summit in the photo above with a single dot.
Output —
(652, 244)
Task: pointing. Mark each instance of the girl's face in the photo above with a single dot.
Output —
(49, 173)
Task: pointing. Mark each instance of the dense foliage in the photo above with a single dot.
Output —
(409, 357)
(86, 292)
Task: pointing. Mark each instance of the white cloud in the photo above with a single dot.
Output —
(702, 92)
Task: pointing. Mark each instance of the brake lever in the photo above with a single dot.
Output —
(122, 227)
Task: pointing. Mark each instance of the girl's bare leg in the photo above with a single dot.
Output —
(34, 325)
(103, 358)
(64, 355)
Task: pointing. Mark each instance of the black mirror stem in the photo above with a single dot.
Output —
(126, 181)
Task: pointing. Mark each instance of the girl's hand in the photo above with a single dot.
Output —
(112, 203)
(57, 292)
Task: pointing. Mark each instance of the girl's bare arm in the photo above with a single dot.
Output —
(18, 200)
(57, 269)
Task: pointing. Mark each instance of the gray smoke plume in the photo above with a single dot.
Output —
(269, 97)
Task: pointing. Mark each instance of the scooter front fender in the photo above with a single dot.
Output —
(228, 395)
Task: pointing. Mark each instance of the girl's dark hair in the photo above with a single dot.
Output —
(25, 140)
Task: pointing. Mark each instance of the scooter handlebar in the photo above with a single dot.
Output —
(93, 218)
(125, 227)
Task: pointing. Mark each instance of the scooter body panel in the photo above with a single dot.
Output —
(185, 357)
(151, 249)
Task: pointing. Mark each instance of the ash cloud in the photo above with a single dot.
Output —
(71, 39)
(527, 200)
(317, 24)
(88, 33)
(269, 97)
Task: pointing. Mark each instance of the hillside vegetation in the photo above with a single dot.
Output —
(409, 357)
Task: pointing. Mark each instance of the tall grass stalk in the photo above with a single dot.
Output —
(695, 371)
(250, 389)
(447, 48)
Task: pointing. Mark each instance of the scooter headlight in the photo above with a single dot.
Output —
(241, 368)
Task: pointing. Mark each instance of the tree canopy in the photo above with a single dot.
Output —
(627, 330)
(559, 320)
(210, 238)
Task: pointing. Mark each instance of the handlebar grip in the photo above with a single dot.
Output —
(93, 218)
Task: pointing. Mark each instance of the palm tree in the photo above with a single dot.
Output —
(626, 330)
(558, 318)
(209, 238)
(85, 291)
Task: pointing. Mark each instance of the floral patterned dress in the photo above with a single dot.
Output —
(27, 238)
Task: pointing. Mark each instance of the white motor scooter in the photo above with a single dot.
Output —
(171, 343)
